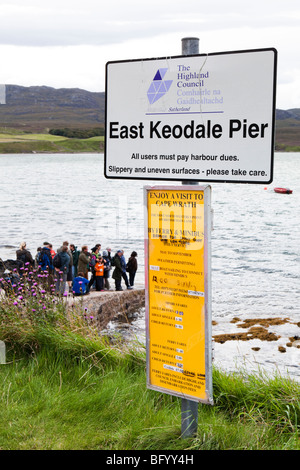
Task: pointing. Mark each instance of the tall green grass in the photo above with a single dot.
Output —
(66, 387)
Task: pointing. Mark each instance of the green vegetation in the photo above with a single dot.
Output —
(13, 141)
(287, 148)
(64, 387)
(78, 133)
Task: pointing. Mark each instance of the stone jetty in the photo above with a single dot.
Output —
(107, 306)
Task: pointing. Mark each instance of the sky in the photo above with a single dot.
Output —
(66, 43)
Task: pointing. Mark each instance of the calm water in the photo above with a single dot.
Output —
(255, 242)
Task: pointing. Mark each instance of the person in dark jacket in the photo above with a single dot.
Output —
(62, 272)
(117, 274)
(45, 259)
(131, 267)
(69, 273)
(124, 273)
(107, 268)
(83, 261)
(24, 255)
(75, 256)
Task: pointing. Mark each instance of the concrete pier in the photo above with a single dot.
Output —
(111, 305)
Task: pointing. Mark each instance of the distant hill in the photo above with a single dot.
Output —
(289, 114)
(40, 108)
(287, 135)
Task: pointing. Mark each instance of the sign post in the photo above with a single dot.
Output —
(189, 408)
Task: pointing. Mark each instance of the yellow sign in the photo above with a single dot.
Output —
(178, 291)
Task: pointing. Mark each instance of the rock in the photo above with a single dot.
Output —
(10, 265)
(108, 306)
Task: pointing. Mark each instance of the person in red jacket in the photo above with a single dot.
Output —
(99, 273)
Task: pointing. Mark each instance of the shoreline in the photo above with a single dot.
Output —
(267, 344)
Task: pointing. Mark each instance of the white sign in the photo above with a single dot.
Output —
(207, 117)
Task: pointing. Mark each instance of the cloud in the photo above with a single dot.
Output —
(69, 23)
(66, 43)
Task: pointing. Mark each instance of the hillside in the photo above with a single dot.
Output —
(39, 108)
(36, 109)
(287, 135)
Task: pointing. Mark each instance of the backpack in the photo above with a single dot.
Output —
(23, 258)
(130, 265)
(92, 263)
(44, 260)
(107, 264)
(113, 261)
(57, 261)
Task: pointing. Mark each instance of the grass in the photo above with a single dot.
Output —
(65, 387)
(13, 142)
(287, 148)
(25, 137)
(15, 137)
(51, 401)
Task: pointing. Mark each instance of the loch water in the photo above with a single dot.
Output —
(255, 237)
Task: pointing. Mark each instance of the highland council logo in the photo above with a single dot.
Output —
(159, 87)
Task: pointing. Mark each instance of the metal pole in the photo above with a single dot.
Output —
(189, 46)
(189, 408)
(189, 418)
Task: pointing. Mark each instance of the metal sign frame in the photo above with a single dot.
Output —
(207, 398)
(241, 133)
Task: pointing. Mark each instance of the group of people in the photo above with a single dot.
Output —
(72, 266)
